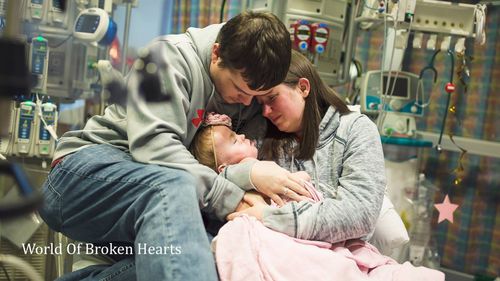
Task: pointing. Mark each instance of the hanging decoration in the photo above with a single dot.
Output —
(446, 209)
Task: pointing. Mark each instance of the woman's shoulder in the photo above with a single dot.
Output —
(355, 122)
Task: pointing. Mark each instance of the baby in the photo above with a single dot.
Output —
(216, 145)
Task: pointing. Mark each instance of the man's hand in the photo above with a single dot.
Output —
(257, 203)
(274, 181)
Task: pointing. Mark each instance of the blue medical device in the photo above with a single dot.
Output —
(39, 57)
(24, 127)
(45, 143)
(57, 11)
(95, 26)
(36, 9)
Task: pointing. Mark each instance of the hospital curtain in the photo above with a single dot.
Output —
(200, 13)
(472, 242)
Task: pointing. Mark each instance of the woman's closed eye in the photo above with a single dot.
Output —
(271, 98)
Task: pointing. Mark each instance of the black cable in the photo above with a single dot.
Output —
(5, 271)
(31, 198)
(62, 42)
(222, 11)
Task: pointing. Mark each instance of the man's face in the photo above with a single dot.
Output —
(230, 83)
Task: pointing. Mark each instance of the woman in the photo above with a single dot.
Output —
(311, 129)
(246, 250)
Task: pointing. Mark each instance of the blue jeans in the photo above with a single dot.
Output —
(99, 195)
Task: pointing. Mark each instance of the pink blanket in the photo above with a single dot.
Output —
(247, 250)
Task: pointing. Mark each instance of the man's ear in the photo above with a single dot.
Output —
(221, 168)
(304, 87)
(214, 57)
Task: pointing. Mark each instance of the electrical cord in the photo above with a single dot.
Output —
(381, 109)
(417, 102)
(5, 271)
(480, 15)
(385, 97)
(368, 7)
(49, 128)
(21, 265)
(450, 88)
(62, 42)
(221, 19)
(31, 198)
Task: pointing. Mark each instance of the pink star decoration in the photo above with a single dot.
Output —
(446, 210)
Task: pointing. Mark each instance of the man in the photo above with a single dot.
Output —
(128, 177)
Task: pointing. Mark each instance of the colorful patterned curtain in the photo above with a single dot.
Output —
(471, 243)
(200, 13)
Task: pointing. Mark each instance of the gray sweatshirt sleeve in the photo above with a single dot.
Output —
(353, 213)
(157, 131)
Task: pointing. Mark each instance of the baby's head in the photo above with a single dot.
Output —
(215, 145)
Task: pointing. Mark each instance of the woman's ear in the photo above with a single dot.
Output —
(221, 168)
(304, 87)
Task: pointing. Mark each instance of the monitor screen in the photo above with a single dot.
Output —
(87, 23)
(400, 87)
(57, 4)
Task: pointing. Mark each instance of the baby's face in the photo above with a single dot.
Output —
(231, 148)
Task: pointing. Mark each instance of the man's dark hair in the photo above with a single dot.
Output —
(259, 45)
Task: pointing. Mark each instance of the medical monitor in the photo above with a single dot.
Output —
(399, 87)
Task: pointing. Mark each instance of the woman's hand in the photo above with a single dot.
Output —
(274, 182)
(302, 175)
(257, 205)
(250, 196)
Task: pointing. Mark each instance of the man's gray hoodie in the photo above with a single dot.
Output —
(348, 169)
(159, 132)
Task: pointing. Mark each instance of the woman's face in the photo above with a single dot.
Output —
(231, 148)
(284, 106)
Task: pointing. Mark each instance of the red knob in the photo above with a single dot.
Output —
(449, 88)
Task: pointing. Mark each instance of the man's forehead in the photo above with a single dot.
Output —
(265, 95)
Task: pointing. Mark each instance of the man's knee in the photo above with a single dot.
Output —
(185, 179)
(50, 209)
(175, 187)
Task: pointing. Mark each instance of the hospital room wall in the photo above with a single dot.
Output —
(148, 20)
(152, 18)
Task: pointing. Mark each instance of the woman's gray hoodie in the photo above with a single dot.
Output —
(348, 169)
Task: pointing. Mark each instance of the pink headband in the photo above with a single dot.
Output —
(214, 119)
